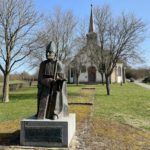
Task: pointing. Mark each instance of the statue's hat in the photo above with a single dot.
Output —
(51, 47)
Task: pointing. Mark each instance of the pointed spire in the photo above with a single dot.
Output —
(91, 29)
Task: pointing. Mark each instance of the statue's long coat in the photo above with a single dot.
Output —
(51, 96)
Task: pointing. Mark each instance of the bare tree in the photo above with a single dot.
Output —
(17, 21)
(59, 27)
(39, 54)
(119, 39)
(80, 39)
(77, 63)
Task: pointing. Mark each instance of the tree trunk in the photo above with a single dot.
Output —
(107, 84)
(5, 97)
(102, 75)
(124, 76)
(109, 79)
(77, 83)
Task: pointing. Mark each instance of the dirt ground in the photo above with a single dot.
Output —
(102, 134)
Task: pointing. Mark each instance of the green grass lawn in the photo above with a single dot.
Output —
(22, 104)
(129, 104)
(112, 121)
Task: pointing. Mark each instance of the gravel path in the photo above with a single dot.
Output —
(137, 82)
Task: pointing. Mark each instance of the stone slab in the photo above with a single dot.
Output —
(48, 133)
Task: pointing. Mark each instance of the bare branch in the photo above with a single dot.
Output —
(3, 57)
(59, 27)
(17, 20)
(119, 38)
(18, 60)
(1, 68)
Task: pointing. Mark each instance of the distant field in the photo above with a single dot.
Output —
(14, 81)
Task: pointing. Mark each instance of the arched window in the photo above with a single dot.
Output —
(119, 71)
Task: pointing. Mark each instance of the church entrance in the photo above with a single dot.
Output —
(91, 74)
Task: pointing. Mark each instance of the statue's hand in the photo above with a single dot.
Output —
(51, 80)
(48, 81)
(64, 79)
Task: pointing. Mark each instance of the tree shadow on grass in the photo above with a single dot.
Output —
(10, 138)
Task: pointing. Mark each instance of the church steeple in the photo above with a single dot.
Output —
(91, 29)
(91, 35)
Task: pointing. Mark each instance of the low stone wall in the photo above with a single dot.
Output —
(16, 86)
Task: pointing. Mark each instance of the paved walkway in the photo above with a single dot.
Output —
(142, 84)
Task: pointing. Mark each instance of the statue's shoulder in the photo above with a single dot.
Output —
(43, 63)
(59, 62)
(60, 67)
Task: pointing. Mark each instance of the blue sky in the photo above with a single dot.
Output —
(81, 8)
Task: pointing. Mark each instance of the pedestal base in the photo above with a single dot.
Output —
(48, 133)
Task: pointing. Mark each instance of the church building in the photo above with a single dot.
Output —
(88, 72)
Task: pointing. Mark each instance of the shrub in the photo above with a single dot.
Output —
(146, 80)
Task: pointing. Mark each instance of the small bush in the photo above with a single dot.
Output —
(146, 80)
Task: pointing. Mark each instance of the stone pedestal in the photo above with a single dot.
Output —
(48, 133)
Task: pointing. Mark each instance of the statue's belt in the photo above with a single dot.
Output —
(48, 76)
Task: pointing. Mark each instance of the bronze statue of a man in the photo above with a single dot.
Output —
(52, 101)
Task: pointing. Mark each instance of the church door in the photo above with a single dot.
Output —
(91, 74)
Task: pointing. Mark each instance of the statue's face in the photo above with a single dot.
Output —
(50, 51)
(50, 55)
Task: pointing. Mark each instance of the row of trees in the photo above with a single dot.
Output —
(23, 76)
(139, 73)
(20, 38)
(60, 28)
